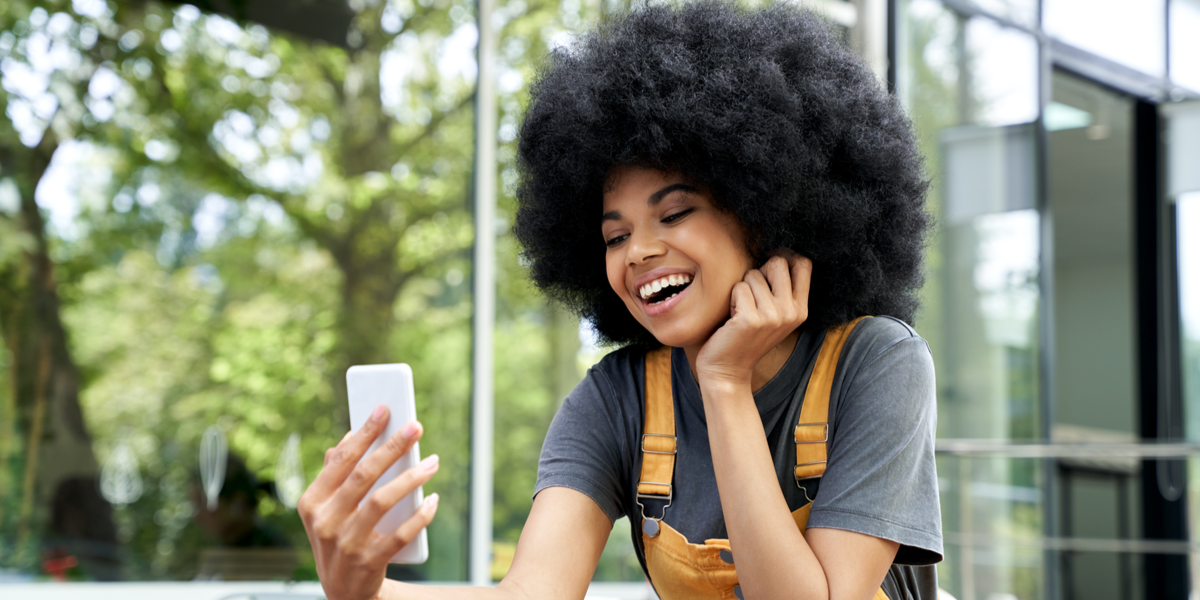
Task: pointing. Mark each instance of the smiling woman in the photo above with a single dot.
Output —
(756, 193)
(681, 300)
(726, 194)
(786, 131)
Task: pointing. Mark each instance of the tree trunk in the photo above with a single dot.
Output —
(60, 481)
(365, 325)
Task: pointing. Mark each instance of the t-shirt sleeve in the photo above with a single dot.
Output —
(881, 478)
(583, 448)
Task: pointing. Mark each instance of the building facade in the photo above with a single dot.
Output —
(1062, 141)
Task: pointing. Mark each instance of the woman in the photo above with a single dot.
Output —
(722, 193)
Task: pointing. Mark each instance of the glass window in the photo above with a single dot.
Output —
(235, 214)
(1185, 43)
(1187, 235)
(1090, 187)
(1129, 32)
(1090, 198)
(1183, 126)
(1003, 73)
(1021, 12)
(971, 88)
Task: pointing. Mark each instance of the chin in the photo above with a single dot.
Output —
(682, 339)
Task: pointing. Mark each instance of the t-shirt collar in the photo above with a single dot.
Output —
(781, 388)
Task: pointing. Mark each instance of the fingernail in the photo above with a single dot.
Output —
(431, 502)
(378, 413)
(430, 463)
(409, 430)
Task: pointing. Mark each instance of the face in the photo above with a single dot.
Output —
(673, 257)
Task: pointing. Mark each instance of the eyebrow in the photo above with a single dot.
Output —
(653, 200)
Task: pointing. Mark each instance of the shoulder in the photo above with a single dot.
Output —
(618, 368)
(886, 362)
(885, 339)
(615, 380)
(619, 362)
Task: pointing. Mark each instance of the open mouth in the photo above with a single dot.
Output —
(664, 288)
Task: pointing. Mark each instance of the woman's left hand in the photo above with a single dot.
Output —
(766, 306)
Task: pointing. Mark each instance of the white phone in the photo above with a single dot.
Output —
(369, 386)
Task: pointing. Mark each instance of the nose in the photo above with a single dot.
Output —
(644, 246)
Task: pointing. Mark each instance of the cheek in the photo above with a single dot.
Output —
(614, 269)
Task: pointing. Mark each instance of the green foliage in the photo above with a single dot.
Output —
(247, 213)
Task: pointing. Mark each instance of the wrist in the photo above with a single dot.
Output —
(386, 590)
(724, 386)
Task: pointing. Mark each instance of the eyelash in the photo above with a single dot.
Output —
(671, 218)
(614, 241)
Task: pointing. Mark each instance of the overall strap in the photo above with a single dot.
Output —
(658, 438)
(812, 430)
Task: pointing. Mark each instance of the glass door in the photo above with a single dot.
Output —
(1090, 203)
(1182, 143)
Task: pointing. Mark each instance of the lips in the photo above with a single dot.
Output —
(661, 289)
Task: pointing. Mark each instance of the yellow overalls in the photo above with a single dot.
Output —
(681, 570)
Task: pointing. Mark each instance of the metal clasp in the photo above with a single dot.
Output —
(669, 498)
(662, 435)
(821, 441)
(799, 478)
(824, 440)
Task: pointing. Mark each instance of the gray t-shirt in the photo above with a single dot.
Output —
(880, 480)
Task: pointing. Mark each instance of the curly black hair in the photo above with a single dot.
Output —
(767, 110)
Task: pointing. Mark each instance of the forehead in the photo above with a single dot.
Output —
(636, 184)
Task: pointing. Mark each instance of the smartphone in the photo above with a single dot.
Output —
(369, 386)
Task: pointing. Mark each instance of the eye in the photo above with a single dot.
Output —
(675, 216)
(615, 241)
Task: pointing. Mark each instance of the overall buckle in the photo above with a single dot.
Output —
(650, 524)
(674, 446)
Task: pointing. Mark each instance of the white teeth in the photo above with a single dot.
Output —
(657, 285)
(665, 299)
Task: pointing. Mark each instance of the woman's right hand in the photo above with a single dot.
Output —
(351, 557)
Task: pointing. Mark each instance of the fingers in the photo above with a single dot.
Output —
(778, 274)
(330, 452)
(340, 460)
(407, 532)
(799, 276)
(741, 299)
(801, 280)
(363, 476)
(383, 499)
(780, 288)
(763, 302)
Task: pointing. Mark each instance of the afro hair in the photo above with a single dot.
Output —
(768, 111)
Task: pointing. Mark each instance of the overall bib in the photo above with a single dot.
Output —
(679, 569)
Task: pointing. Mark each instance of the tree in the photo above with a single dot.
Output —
(346, 166)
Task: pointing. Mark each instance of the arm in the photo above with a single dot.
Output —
(351, 557)
(774, 560)
(558, 551)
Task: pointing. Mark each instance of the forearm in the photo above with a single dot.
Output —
(396, 590)
(544, 567)
(773, 559)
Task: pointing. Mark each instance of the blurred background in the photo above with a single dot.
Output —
(209, 211)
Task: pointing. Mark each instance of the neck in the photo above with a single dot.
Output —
(768, 366)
